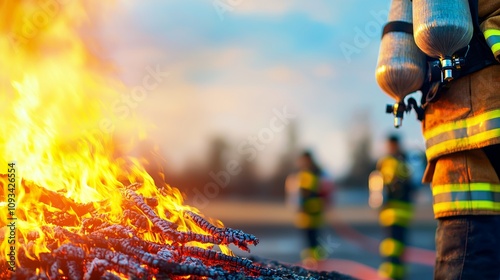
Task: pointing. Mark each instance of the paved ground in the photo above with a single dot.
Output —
(345, 255)
(351, 236)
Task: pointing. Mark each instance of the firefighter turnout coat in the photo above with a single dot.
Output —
(465, 119)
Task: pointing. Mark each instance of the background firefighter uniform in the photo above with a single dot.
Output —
(395, 214)
(462, 134)
(310, 215)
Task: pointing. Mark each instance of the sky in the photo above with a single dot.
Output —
(225, 67)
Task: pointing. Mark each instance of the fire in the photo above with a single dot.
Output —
(72, 204)
(54, 93)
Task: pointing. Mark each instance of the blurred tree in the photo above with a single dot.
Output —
(196, 175)
(216, 153)
(217, 159)
(361, 140)
(286, 163)
(247, 182)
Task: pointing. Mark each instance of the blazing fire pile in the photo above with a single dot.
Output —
(97, 248)
(72, 205)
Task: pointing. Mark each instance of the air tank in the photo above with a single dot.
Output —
(441, 28)
(401, 65)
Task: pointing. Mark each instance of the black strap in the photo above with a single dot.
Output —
(398, 26)
(474, 11)
(479, 55)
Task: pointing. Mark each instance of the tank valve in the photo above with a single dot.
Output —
(399, 108)
(447, 68)
(448, 64)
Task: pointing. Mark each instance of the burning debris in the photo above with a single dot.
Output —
(73, 203)
(94, 247)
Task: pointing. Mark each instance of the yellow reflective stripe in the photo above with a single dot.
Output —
(388, 168)
(461, 133)
(495, 47)
(391, 247)
(313, 254)
(391, 270)
(399, 204)
(308, 180)
(466, 197)
(389, 217)
(491, 32)
(492, 37)
(439, 189)
(305, 220)
(472, 121)
(457, 144)
(465, 205)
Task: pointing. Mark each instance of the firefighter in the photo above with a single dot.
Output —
(310, 206)
(396, 210)
(461, 127)
(462, 133)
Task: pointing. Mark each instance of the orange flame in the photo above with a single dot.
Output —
(53, 94)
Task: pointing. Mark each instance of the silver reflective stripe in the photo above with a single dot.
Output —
(463, 132)
(492, 40)
(467, 196)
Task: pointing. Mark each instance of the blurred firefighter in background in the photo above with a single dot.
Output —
(396, 207)
(311, 194)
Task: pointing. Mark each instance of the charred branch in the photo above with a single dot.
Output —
(98, 247)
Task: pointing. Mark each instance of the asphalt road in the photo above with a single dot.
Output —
(351, 235)
(355, 254)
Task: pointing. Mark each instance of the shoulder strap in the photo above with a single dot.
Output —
(474, 11)
(479, 54)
